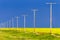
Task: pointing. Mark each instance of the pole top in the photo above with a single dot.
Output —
(17, 17)
(24, 15)
(34, 9)
(50, 3)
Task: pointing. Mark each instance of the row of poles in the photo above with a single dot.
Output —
(34, 11)
(7, 24)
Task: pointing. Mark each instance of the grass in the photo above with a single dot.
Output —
(19, 34)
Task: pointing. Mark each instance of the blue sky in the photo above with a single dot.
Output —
(13, 8)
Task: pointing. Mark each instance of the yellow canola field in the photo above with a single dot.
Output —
(41, 30)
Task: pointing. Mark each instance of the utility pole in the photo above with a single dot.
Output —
(12, 22)
(9, 24)
(51, 5)
(4, 24)
(24, 22)
(17, 21)
(34, 11)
